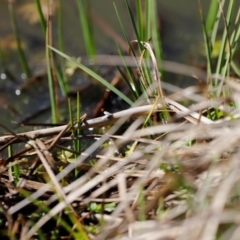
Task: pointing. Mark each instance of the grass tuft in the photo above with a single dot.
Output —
(161, 167)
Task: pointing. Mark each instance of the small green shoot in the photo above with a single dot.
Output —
(74, 132)
(15, 168)
(99, 208)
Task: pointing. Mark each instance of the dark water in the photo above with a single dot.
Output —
(181, 35)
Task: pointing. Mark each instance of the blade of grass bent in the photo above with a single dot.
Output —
(94, 75)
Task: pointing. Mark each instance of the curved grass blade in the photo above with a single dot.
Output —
(94, 75)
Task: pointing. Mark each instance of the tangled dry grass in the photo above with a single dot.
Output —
(178, 179)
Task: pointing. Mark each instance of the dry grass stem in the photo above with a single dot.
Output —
(180, 175)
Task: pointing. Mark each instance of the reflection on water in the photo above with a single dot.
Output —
(181, 28)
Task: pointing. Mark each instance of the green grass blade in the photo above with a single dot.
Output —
(71, 119)
(154, 29)
(15, 168)
(207, 43)
(78, 233)
(62, 78)
(79, 111)
(70, 115)
(140, 19)
(53, 102)
(131, 82)
(94, 75)
(140, 46)
(211, 18)
(235, 34)
(75, 132)
(128, 82)
(61, 75)
(133, 22)
(85, 21)
(212, 33)
(147, 21)
(223, 60)
(235, 68)
(123, 29)
(21, 54)
(41, 16)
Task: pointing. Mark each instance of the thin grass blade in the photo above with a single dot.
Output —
(94, 75)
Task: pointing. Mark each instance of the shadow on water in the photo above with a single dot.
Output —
(180, 31)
